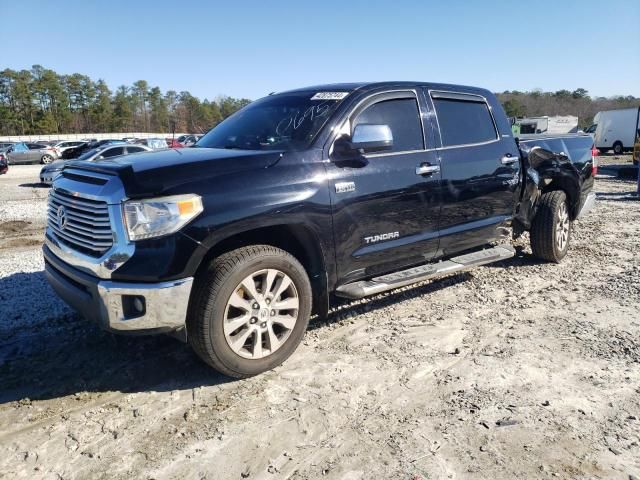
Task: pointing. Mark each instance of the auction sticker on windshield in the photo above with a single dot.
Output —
(329, 95)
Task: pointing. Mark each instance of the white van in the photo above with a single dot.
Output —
(615, 129)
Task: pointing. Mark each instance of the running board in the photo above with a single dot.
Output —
(364, 288)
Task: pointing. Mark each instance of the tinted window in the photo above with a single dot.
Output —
(113, 152)
(135, 149)
(35, 146)
(288, 121)
(403, 118)
(463, 122)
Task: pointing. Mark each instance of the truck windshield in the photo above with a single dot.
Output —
(288, 121)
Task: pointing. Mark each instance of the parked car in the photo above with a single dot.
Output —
(4, 165)
(188, 140)
(64, 145)
(49, 172)
(75, 152)
(29, 153)
(345, 190)
(616, 129)
(154, 143)
(172, 143)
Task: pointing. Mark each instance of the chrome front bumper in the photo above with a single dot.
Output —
(588, 205)
(121, 307)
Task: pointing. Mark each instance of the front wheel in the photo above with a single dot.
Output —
(551, 227)
(250, 310)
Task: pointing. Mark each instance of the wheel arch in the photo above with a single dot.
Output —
(297, 239)
(571, 190)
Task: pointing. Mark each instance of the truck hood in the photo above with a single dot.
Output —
(150, 173)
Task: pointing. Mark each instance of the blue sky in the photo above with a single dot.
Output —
(250, 48)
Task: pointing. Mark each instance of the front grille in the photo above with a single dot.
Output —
(81, 223)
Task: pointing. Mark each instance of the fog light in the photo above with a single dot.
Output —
(133, 306)
(138, 304)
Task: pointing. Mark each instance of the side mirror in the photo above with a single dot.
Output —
(372, 138)
(100, 157)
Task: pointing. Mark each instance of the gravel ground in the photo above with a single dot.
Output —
(514, 370)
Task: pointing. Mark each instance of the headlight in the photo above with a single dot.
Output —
(156, 217)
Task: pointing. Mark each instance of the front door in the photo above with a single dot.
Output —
(19, 153)
(386, 208)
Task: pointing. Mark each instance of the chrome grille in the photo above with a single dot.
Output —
(81, 223)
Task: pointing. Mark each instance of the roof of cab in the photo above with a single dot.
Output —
(350, 87)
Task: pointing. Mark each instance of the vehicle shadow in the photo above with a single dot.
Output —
(344, 308)
(64, 354)
(619, 196)
(34, 185)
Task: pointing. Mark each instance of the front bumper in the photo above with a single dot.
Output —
(115, 306)
(48, 177)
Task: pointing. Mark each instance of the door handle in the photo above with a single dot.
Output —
(508, 160)
(425, 169)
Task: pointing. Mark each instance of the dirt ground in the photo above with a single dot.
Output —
(514, 370)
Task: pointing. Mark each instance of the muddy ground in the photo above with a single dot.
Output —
(515, 370)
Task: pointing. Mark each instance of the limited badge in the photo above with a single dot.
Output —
(329, 95)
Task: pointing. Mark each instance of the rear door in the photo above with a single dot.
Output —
(480, 172)
(385, 212)
(35, 153)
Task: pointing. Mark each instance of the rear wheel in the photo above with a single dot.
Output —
(618, 148)
(46, 159)
(250, 311)
(551, 227)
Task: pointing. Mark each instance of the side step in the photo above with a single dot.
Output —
(402, 278)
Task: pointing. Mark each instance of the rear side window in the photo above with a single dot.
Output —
(135, 149)
(402, 117)
(464, 122)
(113, 152)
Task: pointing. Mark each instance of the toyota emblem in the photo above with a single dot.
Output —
(62, 217)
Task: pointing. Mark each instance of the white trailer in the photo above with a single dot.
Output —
(616, 129)
(557, 125)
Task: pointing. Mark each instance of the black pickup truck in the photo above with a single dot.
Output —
(342, 190)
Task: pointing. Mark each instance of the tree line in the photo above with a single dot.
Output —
(563, 102)
(40, 101)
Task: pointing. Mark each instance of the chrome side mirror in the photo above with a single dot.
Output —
(372, 138)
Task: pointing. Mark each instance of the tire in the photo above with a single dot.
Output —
(224, 330)
(618, 149)
(46, 159)
(551, 227)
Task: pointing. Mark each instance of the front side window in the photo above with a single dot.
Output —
(403, 118)
(288, 121)
(464, 122)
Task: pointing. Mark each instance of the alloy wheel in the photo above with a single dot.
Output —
(261, 313)
(562, 227)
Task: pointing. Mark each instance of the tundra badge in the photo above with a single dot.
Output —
(382, 236)
(344, 187)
